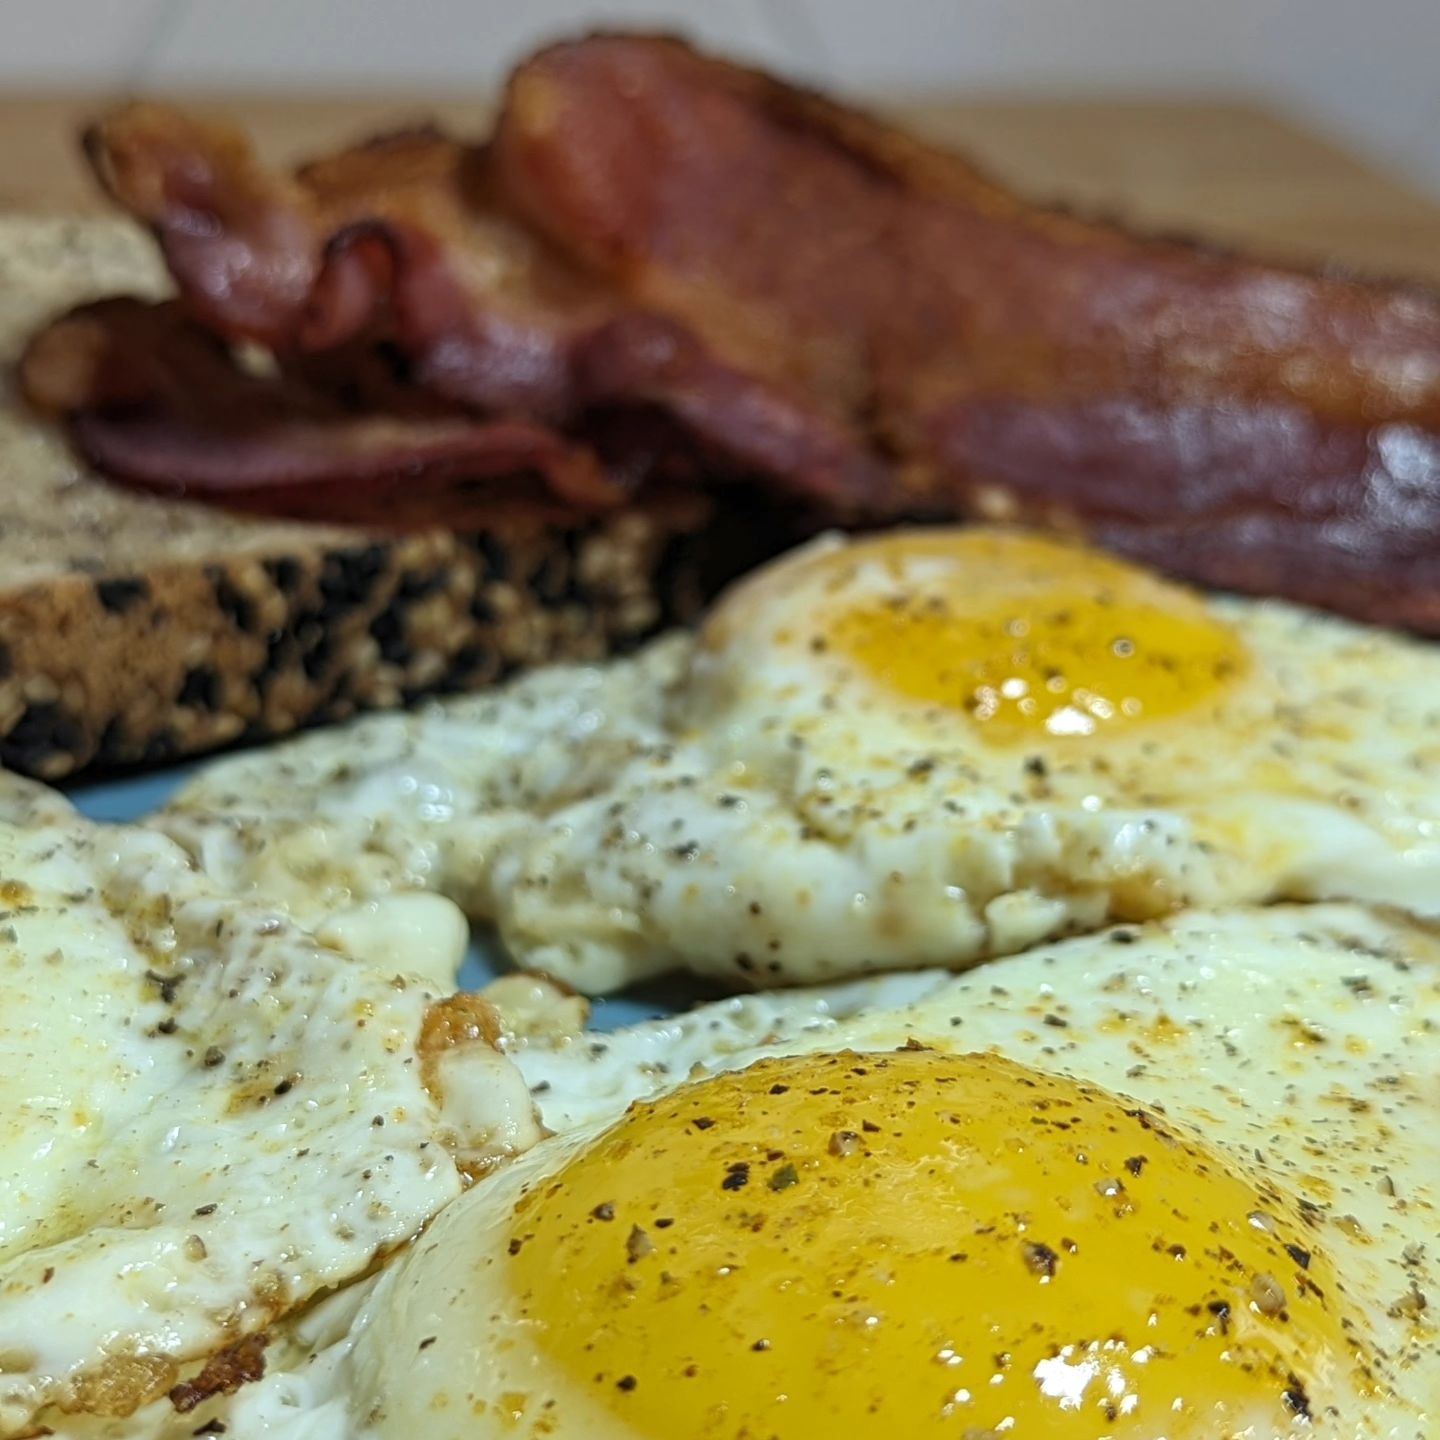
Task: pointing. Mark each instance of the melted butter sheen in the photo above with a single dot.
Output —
(1032, 637)
(919, 1243)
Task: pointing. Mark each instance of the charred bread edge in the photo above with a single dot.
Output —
(114, 670)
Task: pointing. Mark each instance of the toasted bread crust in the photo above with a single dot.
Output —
(120, 669)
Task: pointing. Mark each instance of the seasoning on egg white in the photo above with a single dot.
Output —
(1002, 739)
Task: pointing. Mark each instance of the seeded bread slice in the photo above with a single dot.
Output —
(136, 630)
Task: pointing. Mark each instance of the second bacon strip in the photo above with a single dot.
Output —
(800, 294)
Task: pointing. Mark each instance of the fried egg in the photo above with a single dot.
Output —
(206, 1114)
(1175, 1180)
(924, 748)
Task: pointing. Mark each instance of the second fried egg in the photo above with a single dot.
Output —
(919, 749)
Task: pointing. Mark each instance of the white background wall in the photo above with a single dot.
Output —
(1366, 71)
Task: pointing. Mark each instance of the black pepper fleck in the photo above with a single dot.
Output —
(168, 985)
(1296, 1399)
(1040, 1259)
(737, 1176)
(784, 1178)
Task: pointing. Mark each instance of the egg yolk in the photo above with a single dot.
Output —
(1028, 636)
(920, 1243)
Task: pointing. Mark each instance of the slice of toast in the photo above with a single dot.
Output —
(136, 630)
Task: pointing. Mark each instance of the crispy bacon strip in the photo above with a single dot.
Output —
(1261, 428)
(1264, 499)
(157, 400)
(793, 291)
(807, 240)
(404, 242)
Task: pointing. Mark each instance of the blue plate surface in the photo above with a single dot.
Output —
(134, 796)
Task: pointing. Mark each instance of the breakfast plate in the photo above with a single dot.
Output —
(1044, 794)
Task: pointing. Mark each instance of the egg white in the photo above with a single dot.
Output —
(758, 807)
(206, 1115)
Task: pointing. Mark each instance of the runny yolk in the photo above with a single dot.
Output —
(1028, 636)
(919, 1243)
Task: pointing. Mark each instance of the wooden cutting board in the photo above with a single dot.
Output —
(1231, 172)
